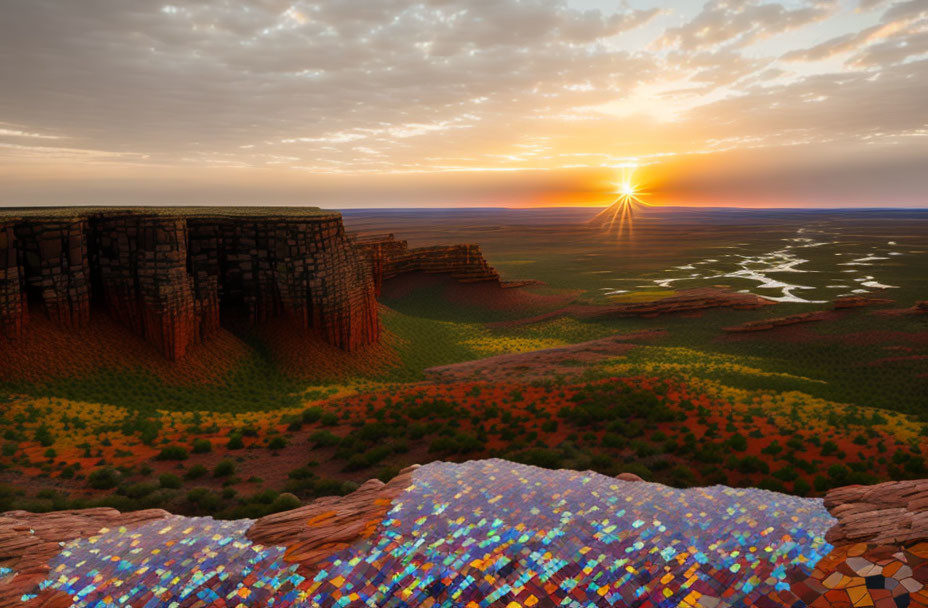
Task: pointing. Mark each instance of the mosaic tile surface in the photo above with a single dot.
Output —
(484, 533)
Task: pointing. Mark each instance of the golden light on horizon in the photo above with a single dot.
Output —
(620, 215)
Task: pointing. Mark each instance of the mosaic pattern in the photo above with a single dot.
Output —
(883, 576)
(485, 533)
(494, 533)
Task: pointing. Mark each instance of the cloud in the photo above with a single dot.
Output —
(342, 87)
(742, 22)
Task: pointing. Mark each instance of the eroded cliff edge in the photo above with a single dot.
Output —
(170, 274)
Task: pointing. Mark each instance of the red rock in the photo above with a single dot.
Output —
(167, 273)
(859, 302)
(315, 531)
(388, 257)
(29, 540)
(765, 324)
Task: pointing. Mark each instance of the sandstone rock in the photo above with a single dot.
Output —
(765, 324)
(628, 477)
(881, 543)
(29, 540)
(167, 273)
(388, 257)
(858, 302)
(315, 531)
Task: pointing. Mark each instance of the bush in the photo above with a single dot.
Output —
(738, 442)
(202, 446)
(324, 439)
(195, 472)
(285, 502)
(138, 490)
(235, 442)
(224, 468)
(277, 443)
(204, 500)
(329, 419)
(311, 414)
(169, 481)
(104, 479)
(173, 452)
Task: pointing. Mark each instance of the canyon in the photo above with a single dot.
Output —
(175, 275)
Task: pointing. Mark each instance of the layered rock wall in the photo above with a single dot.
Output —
(13, 309)
(388, 257)
(55, 270)
(168, 275)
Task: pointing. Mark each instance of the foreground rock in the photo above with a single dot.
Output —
(317, 530)
(488, 533)
(29, 540)
(881, 548)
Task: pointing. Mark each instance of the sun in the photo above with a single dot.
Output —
(619, 217)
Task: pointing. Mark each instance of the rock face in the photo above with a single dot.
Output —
(317, 530)
(388, 257)
(859, 302)
(765, 324)
(13, 309)
(880, 556)
(29, 540)
(168, 274)
(895, 512)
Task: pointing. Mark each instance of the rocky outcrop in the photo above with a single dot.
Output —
(29, 540)
(315, 531)
(169, 274)
(880, 556)
(765, 324)
(895, 512)
(859, 302)
(388, 257)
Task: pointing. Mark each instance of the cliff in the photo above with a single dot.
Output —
(171, 274)
(388, 257)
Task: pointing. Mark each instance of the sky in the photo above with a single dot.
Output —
(386, 103)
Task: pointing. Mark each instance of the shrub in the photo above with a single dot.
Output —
(277, 443)
(169, 481)
(311, 414)
(195, 472)
(202, 446)
(285, 502)
(329, 419)
(235, 442)
(738, 442)
(324, 439)
(104, 479)
(224, 468)
(173, 452)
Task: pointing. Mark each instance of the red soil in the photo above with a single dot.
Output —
(47, 351)
(303, 354)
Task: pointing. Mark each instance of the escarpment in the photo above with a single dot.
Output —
(171, 275)
(389, 257)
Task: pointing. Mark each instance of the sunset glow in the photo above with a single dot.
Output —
(510, 103)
